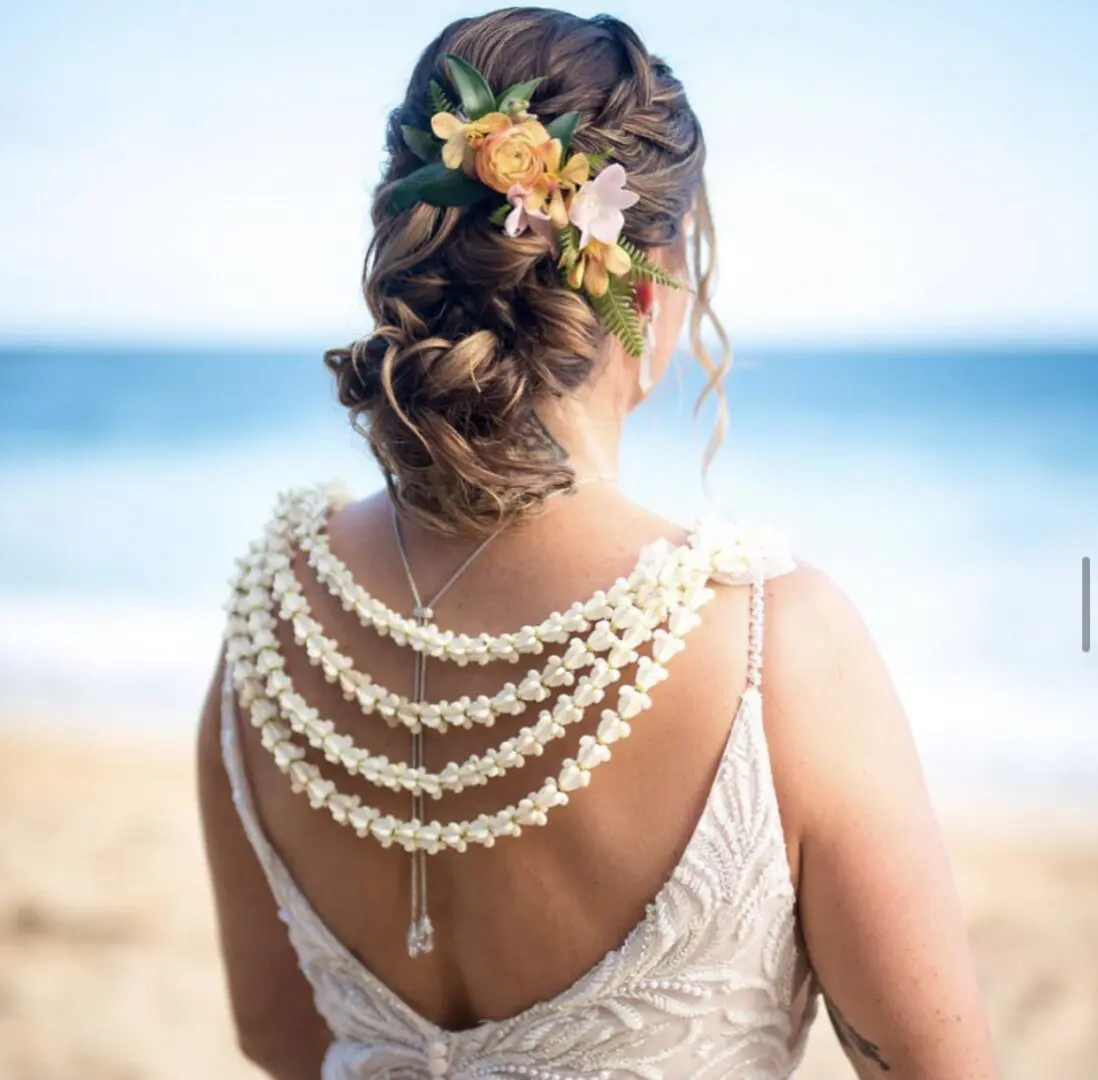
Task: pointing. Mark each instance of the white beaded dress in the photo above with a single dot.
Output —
(712, 983)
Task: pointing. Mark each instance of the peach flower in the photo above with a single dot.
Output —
(510, 157)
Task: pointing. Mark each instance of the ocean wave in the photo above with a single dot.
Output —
(113, 566)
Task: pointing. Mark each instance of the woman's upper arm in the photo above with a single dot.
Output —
(277, 1023)
(877, 904)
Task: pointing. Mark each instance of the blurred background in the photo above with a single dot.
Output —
(908, 228)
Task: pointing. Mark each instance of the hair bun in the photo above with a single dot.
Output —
(355, 369)
(473, 327)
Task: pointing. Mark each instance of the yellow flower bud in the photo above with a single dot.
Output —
(597, 280)
(575, 273)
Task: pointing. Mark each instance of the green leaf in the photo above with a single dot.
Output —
(618, 312)
(518, 95)
(454, 188)
(644, 267)
(476, 96)
(499, 215)
(439, 101)
(422, 143)
(597, 160)
(569, 246)
(563, 128)
(436, 185)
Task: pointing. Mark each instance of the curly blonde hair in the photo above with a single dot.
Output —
(473, 327)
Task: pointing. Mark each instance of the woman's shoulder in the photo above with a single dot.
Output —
(812, 621)
(832, 711)
(817, 643)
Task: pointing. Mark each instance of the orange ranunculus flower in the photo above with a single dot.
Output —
(463, 138)
(510, 156)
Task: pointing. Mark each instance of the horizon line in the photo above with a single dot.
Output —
(824, 341)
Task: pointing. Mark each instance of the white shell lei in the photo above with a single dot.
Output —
(669, 585)
(623, 619)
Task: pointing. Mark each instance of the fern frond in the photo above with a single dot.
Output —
(439, 101)
(597, 160)
(569, 246)
(618, 313)
(645, 268)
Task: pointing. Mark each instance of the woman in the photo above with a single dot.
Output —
(688, 900)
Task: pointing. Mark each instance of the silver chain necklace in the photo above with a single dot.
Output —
(421, 931)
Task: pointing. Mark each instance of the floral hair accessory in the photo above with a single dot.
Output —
(492, 146)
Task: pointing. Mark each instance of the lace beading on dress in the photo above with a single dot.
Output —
(711, 983)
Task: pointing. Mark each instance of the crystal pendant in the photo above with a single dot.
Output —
(421, 936)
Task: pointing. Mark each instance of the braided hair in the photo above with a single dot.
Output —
(473, 327)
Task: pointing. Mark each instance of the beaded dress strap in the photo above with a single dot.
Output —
(233, 758)
(755, 635)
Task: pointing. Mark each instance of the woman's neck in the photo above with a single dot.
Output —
(583, 431)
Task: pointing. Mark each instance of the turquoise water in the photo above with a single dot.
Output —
(952, 491)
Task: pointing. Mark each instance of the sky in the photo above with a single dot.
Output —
(202, 170)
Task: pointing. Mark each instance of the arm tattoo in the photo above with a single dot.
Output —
(537, 440)
(851, 1041)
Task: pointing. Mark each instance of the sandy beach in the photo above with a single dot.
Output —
(109, 967)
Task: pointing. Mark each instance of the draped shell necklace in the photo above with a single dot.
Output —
(596, 643)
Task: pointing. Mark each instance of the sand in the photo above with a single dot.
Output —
(109, 966)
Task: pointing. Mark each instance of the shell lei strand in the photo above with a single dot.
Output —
(667, 588)
(635, 617)
(262, 648)
(416, 834)
(612, 605)
(476, 770)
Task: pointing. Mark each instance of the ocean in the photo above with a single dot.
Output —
(952, 491)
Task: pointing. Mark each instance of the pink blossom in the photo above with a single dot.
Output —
(520, 219)
(597, 206)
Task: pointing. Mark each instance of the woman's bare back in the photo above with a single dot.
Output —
(818, 851)
(518, 923)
